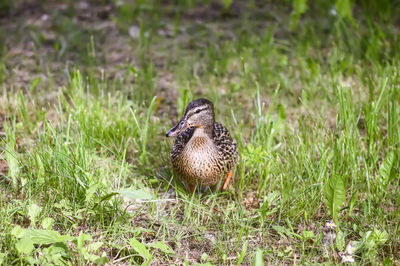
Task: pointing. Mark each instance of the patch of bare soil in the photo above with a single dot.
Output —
(44, 38)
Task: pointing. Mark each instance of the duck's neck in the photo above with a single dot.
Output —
(203, 132)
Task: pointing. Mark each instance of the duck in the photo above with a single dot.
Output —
(203, 152)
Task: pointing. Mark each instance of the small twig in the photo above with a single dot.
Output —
(123, 258)
(119, 251)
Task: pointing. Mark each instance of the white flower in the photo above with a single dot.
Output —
(347, 258)
(330, 225)
(350, 249)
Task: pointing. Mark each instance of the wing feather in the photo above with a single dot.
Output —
(227, 147)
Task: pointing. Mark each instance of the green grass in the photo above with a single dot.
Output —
(313, 101)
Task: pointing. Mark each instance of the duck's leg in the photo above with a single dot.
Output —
(228, 178)
(191, 187)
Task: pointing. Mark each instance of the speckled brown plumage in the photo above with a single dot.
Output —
(203, 153)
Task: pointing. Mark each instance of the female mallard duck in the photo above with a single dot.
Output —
(204, 151)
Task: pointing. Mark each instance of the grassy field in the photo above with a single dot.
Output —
(310, 91)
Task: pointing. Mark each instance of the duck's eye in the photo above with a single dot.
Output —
(197, 111)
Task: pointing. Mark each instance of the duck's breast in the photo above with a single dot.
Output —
(202, 161)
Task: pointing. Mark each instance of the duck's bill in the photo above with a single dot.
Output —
(177, 129)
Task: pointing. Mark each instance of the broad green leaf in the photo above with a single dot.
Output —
(94, 186)
(308, 234)
(367, 236)
(140, 249)
(47, 223)
(380, 237)
(385, 170)
(58, 248)
(53, 256)
(340, 242)
(88, 256)
(162, 246)
(65, 238)
(18, 231)
(204, 256)
(94, 246)
(102, 260)
(33, 212)
(335, 195)
(80, 240)
(136, 194)
(12, 162)
(43, 237)
(259, 260)
(24, 245)
(353, 201)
